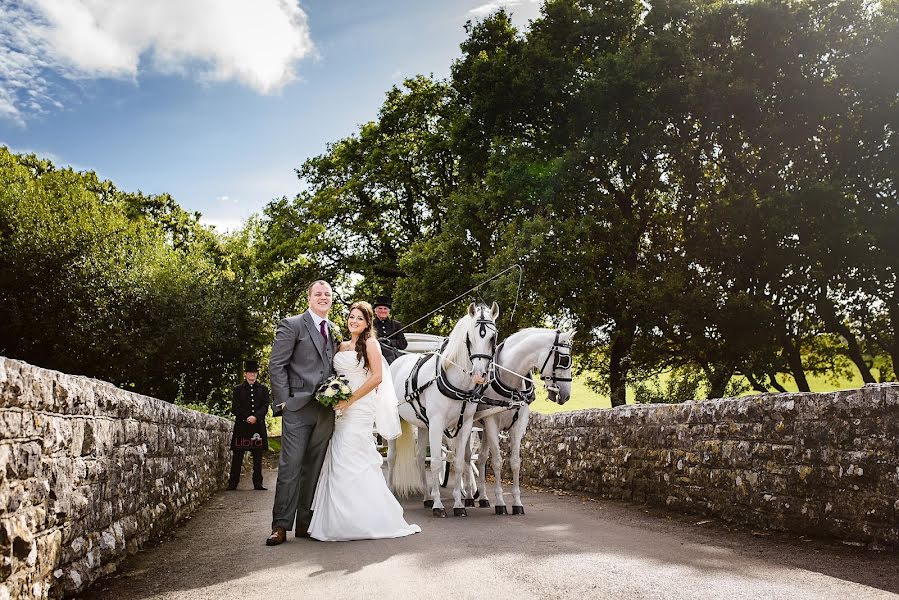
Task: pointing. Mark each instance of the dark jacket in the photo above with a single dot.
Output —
(249, 400)
(390, 339)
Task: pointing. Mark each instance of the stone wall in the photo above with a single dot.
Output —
(89, 473)
(823, 464)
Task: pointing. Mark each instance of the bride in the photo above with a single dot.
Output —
(352, 501)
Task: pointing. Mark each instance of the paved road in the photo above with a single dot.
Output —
(565, 547)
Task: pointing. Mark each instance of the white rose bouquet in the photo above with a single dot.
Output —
(334, 390)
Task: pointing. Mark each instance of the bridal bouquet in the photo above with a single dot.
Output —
(334, 390)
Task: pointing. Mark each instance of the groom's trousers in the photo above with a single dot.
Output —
(305, 434)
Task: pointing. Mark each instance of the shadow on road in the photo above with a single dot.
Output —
(565, 545)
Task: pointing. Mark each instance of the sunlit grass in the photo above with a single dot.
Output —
(583, 397)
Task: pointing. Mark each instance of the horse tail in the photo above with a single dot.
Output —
(406, 473)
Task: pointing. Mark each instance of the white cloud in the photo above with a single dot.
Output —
(223, 224)
(491, 7)
(254, 42)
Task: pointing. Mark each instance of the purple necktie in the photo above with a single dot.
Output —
(322, 329)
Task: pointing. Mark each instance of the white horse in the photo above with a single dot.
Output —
(437, 393)
(547, 351)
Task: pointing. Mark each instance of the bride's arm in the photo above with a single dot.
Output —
(373, 350)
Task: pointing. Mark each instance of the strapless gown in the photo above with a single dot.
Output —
(352, 500)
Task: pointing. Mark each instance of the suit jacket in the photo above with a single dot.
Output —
(249, 400)
(385, 329)
(300, 362)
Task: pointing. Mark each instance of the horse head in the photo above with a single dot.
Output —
(556, 369)
(472, 343)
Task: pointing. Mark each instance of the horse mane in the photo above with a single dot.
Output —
(523, 334)
(456, 352)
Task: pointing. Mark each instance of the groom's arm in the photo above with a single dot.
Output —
(279, 362)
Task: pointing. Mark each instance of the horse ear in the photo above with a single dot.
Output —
(471, 308)
(494, 311)
(571, 334)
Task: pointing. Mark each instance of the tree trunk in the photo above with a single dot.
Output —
(853, 351)
(718, 380)
(772, 377)
(894, 346)
(619, 363)
(794, 360)
(755, 383)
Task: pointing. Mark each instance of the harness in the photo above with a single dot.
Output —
(475, 395)
(516, 398)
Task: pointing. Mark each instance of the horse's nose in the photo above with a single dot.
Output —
(479, 377)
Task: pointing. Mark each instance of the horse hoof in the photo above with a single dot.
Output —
(459, 512)
(440, 512)
(484, 503)
(469, 502)
(501, 510)
(517, 510)
(429, 504)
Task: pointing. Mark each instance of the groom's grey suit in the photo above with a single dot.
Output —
(300, 361)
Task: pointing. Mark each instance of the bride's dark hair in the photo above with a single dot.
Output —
(369, 331)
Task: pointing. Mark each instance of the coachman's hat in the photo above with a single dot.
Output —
(381, 301)
(251, 366)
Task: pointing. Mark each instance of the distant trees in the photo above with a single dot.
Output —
(123, 287)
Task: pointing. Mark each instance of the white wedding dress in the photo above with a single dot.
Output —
(352, 501)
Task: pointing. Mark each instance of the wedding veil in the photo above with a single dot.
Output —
(387, 417)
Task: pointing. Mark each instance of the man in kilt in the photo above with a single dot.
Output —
(249, 406)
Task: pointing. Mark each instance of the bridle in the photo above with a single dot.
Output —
(561, 362)
(484, 325)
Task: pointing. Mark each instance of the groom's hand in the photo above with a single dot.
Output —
(251, 420)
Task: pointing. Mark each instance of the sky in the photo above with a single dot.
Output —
(213, 101)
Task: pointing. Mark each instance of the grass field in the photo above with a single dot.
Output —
(583, 397)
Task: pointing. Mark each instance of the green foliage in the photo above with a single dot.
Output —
(705, 189)
(122, 287)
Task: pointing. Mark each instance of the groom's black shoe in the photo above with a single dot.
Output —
(259, 487)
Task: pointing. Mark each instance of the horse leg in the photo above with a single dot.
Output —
(469, 487)
(515, 460)
(497, 464)
(483, 454)
(459, 464)
(435, 437)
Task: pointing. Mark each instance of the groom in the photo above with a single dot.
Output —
(300, 362)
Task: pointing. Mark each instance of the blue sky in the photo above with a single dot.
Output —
(217, 114)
